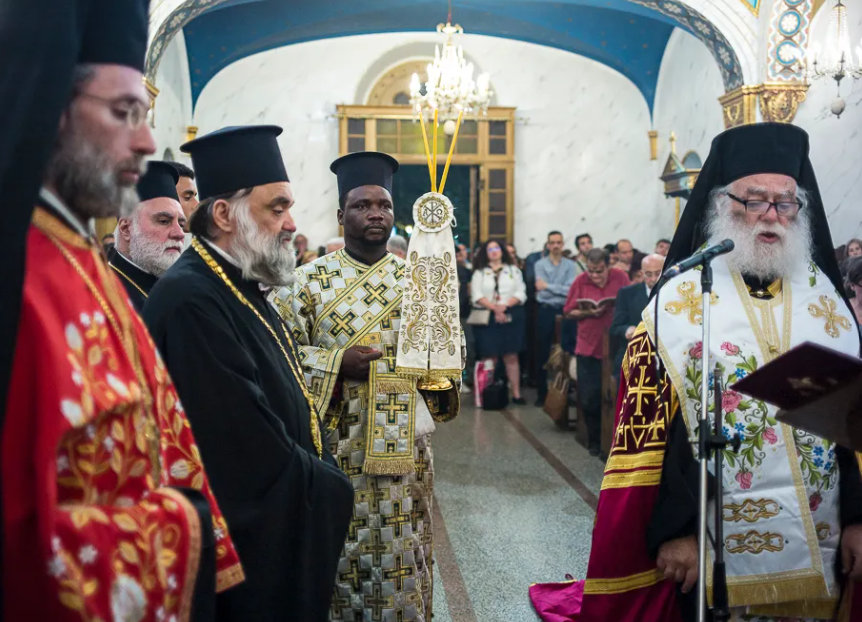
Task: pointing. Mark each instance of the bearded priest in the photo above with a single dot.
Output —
(792, 505)
(100, 521)
(237, 370)
(150, 240)
(346, 313)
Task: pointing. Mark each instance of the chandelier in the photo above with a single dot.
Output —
(836, 59)
(450, 89)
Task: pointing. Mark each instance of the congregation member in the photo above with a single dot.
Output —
(345, 311)
(334, 244)
(465, 274)
(187, 191)
(598, 283)
(513, 253)
(662, 247)
(498, 287)
(554, 277)
(854, 248)
(239, 375)
(854, 286)
(151, 238)
(397, 245)
(792, 502)
(92, 421)
(109, 243)
(300, 247)
(626, 254)
(631, 301)
(583, 244)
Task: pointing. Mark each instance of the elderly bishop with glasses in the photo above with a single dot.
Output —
(792, 503)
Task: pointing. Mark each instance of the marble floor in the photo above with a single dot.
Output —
(515, 499)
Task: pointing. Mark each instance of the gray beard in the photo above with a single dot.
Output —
(767, 262)
(262, 257)
(148, 255)
(86, 180)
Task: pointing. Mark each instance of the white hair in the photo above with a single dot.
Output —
(397, 244)
(150, 254)
(334, 244)
(765, 261)
(262, 256)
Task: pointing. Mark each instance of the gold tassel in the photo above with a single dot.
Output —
(395, 386)
(401, 466)
(775, 591)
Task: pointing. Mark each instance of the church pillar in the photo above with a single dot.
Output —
(778, 102)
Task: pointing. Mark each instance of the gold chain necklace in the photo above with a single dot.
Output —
(151, 432)
(123, 274)
(213, 265)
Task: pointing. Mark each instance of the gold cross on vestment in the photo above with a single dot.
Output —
(355, 575)
(640, 391)
(392, 408)
(400, 573)
(341, 323)
(324, 276)
(375, 293)
(397, 519)
(376, 601)
(376, 548)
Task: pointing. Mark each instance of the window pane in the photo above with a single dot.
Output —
(497, 146)
(356, 126)
(467, 144)
(387, 144)
(497, 225)
(401, 99)
(497, 128)
(412, 145)
(468, 128)
(355, 143)
(387, 127)
(497, 201)
(497, 179)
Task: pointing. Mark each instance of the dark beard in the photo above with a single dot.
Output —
(85, 179)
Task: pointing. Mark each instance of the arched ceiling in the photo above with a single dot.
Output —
(625, 35)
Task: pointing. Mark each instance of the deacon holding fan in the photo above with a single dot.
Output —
(380, 344)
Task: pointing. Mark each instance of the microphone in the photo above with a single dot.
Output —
(698, 259)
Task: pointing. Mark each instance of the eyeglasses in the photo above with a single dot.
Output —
(782, 208)
(130, 111)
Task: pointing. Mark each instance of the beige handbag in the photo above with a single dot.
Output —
(479, 317)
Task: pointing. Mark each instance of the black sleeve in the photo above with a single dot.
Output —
(287, 511)
(850, 485)
(675, 512)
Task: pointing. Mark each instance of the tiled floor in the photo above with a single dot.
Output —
(511, 516)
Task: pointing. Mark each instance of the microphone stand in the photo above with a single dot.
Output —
(711, 441)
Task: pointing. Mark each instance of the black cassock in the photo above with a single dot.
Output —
(287, 510)
(136, 282)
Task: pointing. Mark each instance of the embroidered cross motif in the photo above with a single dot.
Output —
(356, 524)
(690, 302)
(641, 390)
(397, 520)
(373, 495)
(350, 471)
(829, 309)
(376, 548)
(376, 601)
(375, 293)
(324, 276)
(341, 323)
(355, 575)
(392, 408)
(399, 573)
(754, 542)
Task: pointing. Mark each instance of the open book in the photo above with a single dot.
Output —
(817, 389)
(589, 305)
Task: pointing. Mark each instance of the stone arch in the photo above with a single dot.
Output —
(702, 25)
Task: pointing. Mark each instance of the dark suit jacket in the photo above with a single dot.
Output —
(631, 301)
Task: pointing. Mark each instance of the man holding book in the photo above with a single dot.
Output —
(591, 302)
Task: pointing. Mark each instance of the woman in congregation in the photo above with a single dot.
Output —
(498, 287)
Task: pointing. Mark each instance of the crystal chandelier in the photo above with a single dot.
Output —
(836, 59)
(450, 88)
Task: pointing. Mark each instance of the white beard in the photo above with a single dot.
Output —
(262, 257)
(150, 255)
(781, 259)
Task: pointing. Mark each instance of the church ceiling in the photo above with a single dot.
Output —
(628, 36)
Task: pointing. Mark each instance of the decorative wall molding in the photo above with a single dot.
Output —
(780, 101)
(788, 39)
(752, 5)
(739, 107)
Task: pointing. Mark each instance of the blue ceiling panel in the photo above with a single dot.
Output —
(622, 35)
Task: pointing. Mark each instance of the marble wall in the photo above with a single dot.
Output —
(689, 85)
(582, 153)
(836, 144)
(173, 111)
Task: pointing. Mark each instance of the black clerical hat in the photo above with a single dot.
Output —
(160, 180)
(235, 158)
(116, 33)
(366, 168)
